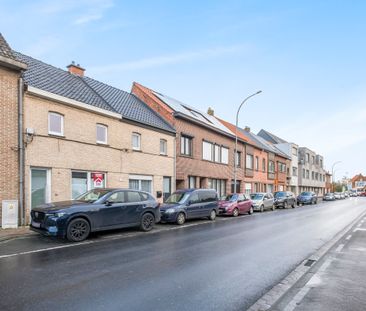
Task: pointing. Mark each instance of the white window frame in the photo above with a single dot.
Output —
(165, 144)
(89, 182)
(143, 177)
(49, 123)
(139, 141)
(207, 151)
(106, 133)
(249, 161)
(224, 155)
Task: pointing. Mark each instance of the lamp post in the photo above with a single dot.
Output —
(334, 164)
(236, 136)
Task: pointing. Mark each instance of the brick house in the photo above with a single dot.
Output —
(358, 182)
(205, 147)
(77, 134)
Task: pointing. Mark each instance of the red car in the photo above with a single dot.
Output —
(235, 204)
(363, 194)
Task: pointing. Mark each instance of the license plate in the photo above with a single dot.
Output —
(36, 224)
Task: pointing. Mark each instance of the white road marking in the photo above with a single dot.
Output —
(339, 248)
(297, 299)
(350, 236)
(359, 229)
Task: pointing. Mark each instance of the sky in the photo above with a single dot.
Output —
(307, 57)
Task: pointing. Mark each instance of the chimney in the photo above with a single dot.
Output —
(76, 69)
(247, 129)
(210, 111)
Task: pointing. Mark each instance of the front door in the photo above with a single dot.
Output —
(40, 186)
(194, 207)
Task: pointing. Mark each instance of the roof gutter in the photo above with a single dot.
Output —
(12, 64)
(71, 102)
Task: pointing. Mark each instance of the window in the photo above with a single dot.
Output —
(256, 163)
(307, 174)
(264, 165)
(217, 153)
(167, 187)
(294, 151)
(312, 159)
(82, 182)
(312, 175)
(117, 197)
(102, 134)
(238, 159)
(193, 199)
(224, 155)
(282, 167)
(219, 185)
(40, 186)
(186, 145)
(140, 182)
(248, 188)
(249, 161)
(271, 167)
(163, 147)
(207, 151)
(321, 163)
(303, 173)
(307, 157)
(55, 124)
(191, 182)
(136, 141)
(133, 196)
(237, 186)
(207, 196)
(294, 171)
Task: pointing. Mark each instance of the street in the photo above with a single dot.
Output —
(222, 265)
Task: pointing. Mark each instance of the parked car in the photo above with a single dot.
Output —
(329, 197)
(235, 204)
(284, 199)
(363, 194)
(189, 204)
(307, 197)
(343, 196)
(337, 195)
(96, 210)
(262, 201)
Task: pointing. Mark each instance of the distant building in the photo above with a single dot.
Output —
(358, 182)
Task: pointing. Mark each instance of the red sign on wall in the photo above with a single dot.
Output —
(98, 179)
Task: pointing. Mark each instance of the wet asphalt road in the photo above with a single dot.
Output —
(222, 265)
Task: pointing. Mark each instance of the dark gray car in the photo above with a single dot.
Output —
(189, 204)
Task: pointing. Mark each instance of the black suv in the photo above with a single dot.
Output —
(284, 199)
(96, 210)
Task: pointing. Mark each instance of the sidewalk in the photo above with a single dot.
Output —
(8, 234)
(336, 283)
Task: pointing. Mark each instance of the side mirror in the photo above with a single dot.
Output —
(108, 203)
(189, 202)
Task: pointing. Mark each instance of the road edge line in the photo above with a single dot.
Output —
(266, 301)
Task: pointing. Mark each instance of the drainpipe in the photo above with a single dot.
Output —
(175, 165)
(21, 151)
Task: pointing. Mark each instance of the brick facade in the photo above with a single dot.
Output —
(9, 167)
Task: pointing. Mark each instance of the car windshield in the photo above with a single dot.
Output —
(230, 197)
(306, 193)
(329, 193)
(92, 195)
(178, 197)
(280, 194)
(256, 196)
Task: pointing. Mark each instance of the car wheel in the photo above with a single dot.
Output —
(273, 207)
(250, 210)
(293, 205)
(235, 212)
(181, 219)
(78, 230)
(262, 208)
(285, 205)
(147, 222)
(212, 215)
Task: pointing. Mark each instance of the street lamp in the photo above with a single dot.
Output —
(334, 164)
(236, 136)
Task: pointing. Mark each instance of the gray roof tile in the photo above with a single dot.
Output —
(5, 49)
(89, 91)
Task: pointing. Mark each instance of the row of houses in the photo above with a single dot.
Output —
(63, 133)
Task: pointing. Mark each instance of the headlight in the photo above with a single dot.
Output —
(56, 215)
(170, 211)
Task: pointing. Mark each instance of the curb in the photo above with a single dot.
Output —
(275, 293)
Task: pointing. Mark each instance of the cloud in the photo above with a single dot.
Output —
(95, 11)
(164, 60)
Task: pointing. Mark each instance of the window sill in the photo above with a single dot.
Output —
(136, 150)
(56, 135)
(163, 154)
(102, 144)
(213, 162)
(186, 156)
